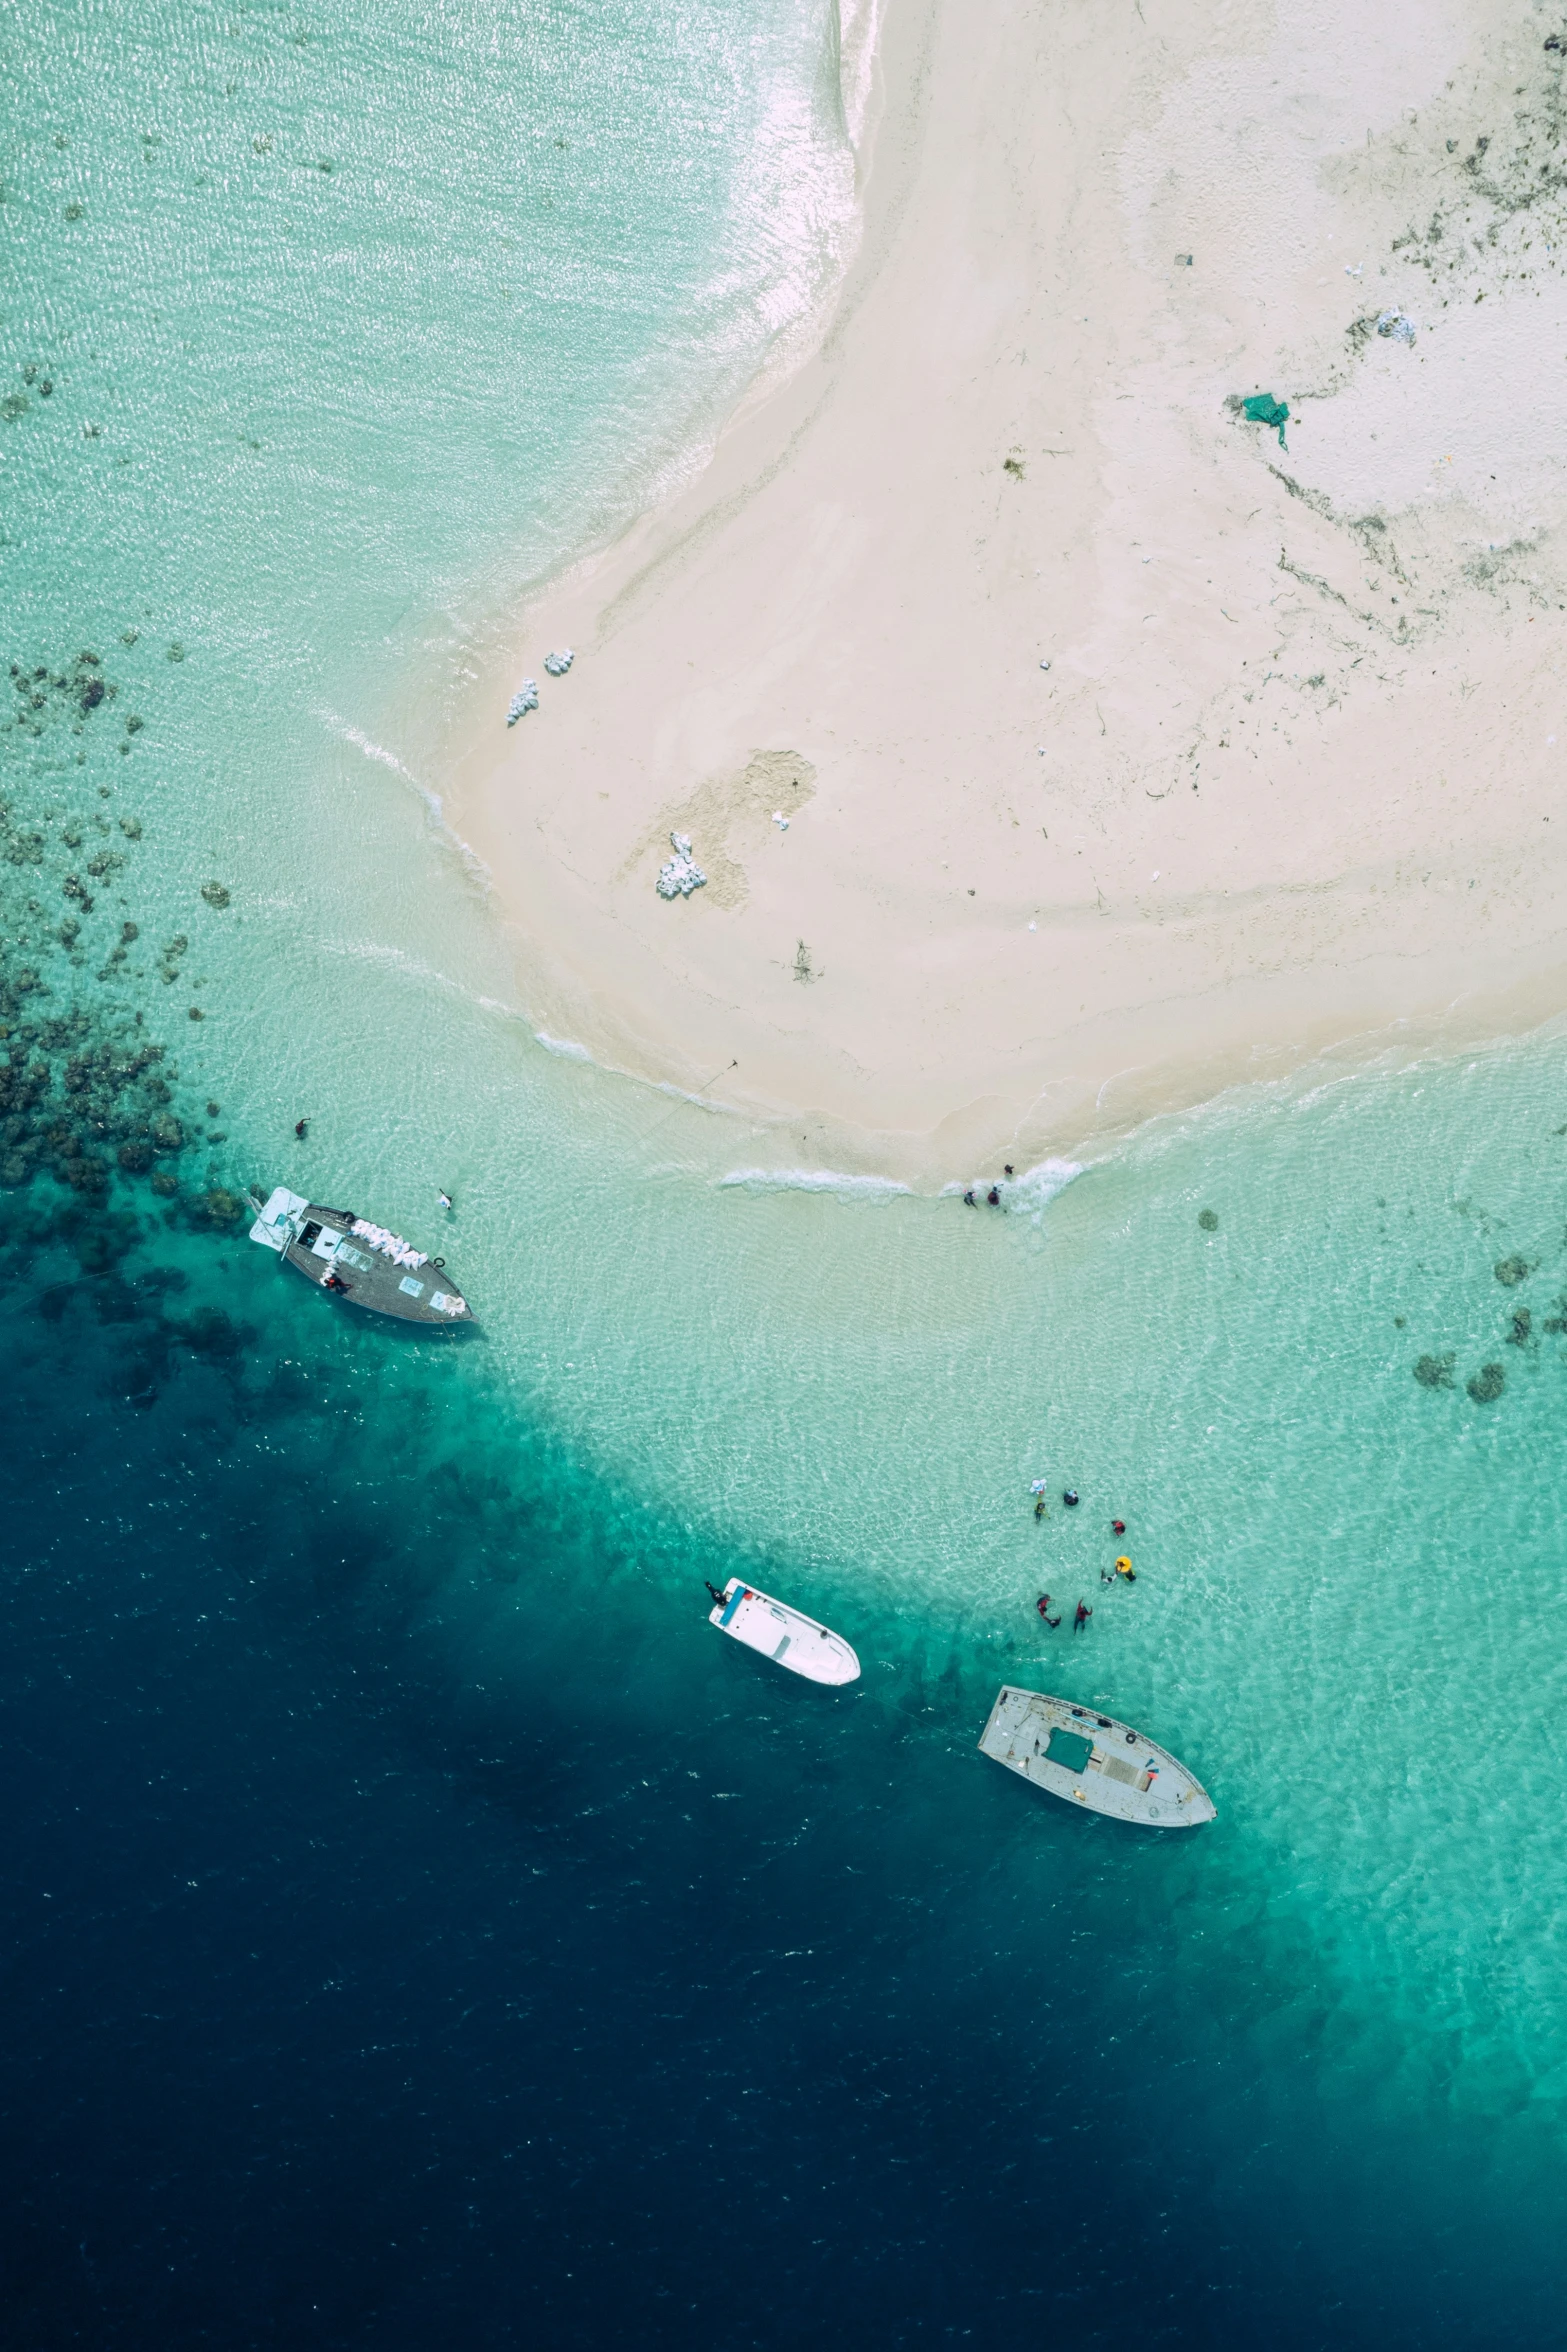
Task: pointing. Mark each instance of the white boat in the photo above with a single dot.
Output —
(1092, 1760)
(783, 1634)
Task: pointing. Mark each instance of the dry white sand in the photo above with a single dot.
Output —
(1291, 779)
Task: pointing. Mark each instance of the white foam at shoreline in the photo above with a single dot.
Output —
(1034, 1190)
(1037, 1187)
(859, 33)
(346, 732)
(563, 1046)
(794, 224)
(833, 1180)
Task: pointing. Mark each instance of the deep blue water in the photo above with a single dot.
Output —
(419, 1931)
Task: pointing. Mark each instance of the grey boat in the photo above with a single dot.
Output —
(1093, 1761)
(357, 1260)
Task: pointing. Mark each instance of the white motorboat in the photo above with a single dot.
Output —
(783, 1634)
(1092, 1760)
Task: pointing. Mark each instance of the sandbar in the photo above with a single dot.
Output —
(1126, 747)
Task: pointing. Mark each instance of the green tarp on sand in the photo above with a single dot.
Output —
(1263, 409)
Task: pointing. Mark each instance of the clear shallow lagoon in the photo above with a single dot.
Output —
(421, 1926)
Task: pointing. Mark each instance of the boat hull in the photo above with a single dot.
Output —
(790, 1639)
(1092, 1761)
(324, 1245)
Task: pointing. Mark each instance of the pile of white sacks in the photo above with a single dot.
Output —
(390, 1245)
(526, 697)
(681, 874)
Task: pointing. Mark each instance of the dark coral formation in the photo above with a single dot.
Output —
(79, 684)
(73, 1101)
(86, 1098)
(1486, 1385)
(1436, 1371)
(1512, 1271)
(1208, 1219)
(94, 1142)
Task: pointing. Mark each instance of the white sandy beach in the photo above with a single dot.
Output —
(1291, 780)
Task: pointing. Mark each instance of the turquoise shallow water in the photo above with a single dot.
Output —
(352, 329)
(420, 1922)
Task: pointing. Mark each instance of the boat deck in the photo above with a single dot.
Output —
(785, 1635)
(1091, 1760)
(361, 1263)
